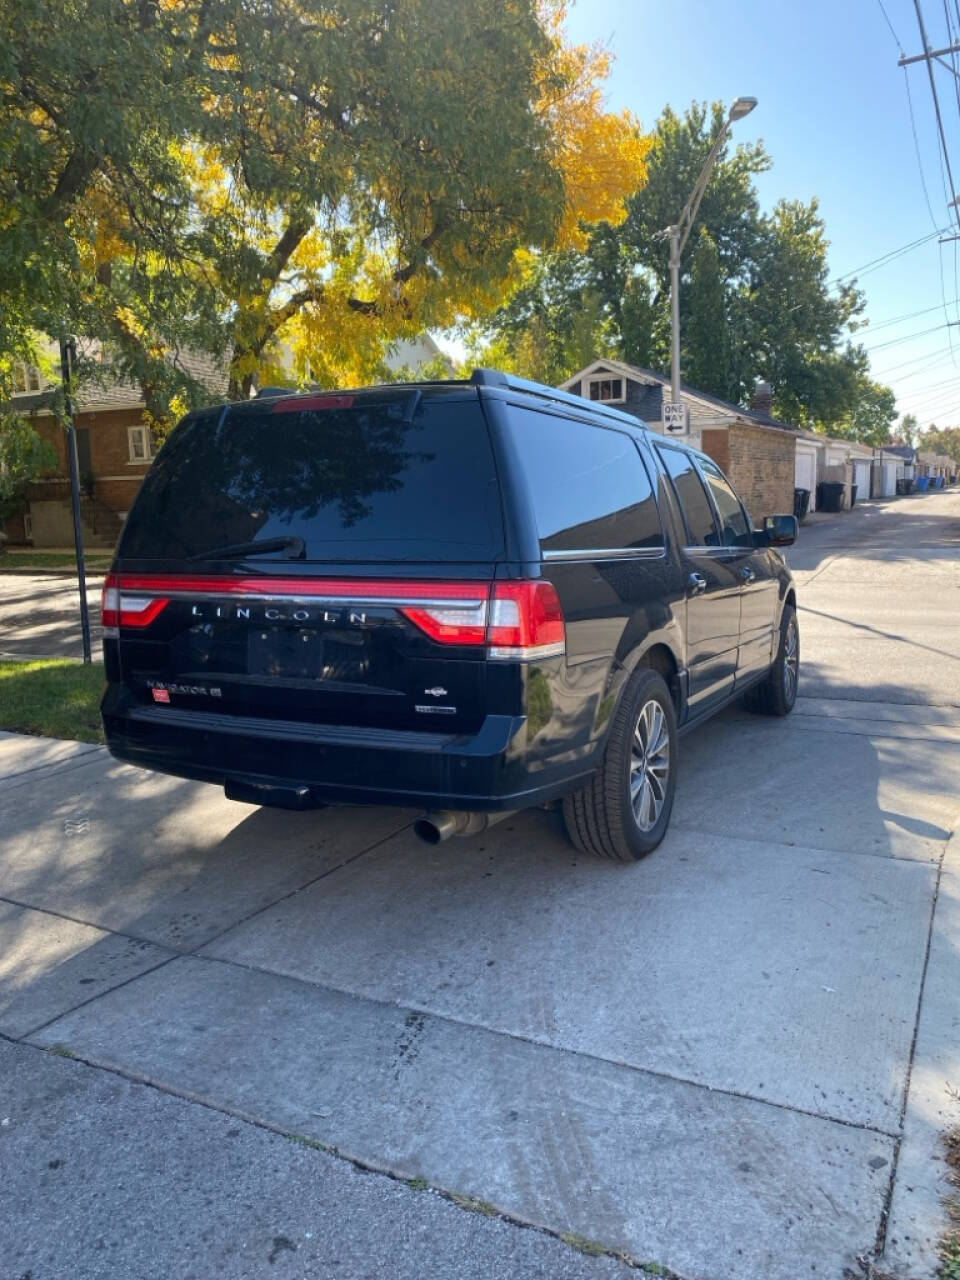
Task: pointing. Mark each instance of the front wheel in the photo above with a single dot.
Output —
(624, 812)
(776, 695)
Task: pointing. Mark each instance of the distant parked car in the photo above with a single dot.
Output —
(469, 597)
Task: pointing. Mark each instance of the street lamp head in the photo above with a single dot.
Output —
(742, 107)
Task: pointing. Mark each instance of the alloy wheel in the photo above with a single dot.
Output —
(791, 661)
(649, 765)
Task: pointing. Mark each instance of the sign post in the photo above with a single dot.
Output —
(676, 418)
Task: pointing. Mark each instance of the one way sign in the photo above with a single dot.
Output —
(676, 419)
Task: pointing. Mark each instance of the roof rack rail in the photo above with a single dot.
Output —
(267, 393)
(509, 381)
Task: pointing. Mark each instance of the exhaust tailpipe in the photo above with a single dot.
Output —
(435, 828)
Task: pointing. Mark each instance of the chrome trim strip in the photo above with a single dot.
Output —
(608, 553)
(346, 602)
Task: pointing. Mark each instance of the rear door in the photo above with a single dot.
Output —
(756, 569)
(381, 524)
(712, 584)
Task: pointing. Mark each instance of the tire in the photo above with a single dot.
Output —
(600, 819)
(776, 694)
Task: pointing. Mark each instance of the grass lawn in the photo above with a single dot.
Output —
(54, 697)
(96, 561)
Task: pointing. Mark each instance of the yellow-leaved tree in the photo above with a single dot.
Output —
(294, 186)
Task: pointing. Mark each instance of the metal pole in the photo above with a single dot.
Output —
(675, 314)
(68, 353)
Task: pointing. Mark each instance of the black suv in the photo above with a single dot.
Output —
(468, 597)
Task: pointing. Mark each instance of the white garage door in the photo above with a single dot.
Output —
(805, 471)
(862, 473)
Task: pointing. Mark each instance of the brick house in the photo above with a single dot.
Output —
(114, 451)
(758, 452)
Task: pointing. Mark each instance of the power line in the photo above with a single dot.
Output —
(928, 59)
(917, 146)
(909, 315)
(896, 38)
(875, 263)
(908, 337)
(932, 356)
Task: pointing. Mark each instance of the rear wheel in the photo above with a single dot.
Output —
(624, 812)
(776, 695)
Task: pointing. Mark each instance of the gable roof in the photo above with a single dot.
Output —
(114, 392)
(649, 376)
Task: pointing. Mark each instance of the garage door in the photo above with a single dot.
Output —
(862, 473)
(805, 471)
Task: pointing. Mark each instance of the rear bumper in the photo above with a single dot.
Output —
(490, 770)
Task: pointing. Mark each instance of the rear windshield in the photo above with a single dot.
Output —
(388, 478)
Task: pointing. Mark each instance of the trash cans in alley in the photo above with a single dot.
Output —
(904, 486)
(922, 484)
(832, 499)
(801, 502)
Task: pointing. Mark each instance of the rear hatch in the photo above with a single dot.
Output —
(323, 559)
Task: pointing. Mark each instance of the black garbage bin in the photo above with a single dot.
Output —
(801, 502)
(832, 499)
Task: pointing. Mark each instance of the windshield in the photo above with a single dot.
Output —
(360, 480)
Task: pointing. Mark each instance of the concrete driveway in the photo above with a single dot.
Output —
(733, 1061)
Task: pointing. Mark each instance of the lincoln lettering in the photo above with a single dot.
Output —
(274, 614)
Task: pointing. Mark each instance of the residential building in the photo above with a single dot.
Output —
(114, 450)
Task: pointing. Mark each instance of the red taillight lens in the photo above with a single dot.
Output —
(526, 621)
(110, 603)
(514, 620)
(118, 609)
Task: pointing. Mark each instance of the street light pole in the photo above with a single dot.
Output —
(68, 355)
(679, 234)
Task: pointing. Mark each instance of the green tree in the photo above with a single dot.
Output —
(908, 429)
(707, 338)
(873, 414)
(24, 457)
(755, 294)
(339, 175)
(944, 440)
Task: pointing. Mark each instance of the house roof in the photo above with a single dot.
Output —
(901, 450)
(649, 376)
(117, 393)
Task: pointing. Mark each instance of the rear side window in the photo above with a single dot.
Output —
(383, 477)
(694, 503)
(733, 520)
(589, 487)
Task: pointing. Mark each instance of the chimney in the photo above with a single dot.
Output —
(762, 401)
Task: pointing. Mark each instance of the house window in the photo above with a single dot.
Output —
(140, 444)
(26, 379)
(609, 390)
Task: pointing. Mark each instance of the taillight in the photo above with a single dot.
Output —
(514, 620)
(526, 621)
(119, 609)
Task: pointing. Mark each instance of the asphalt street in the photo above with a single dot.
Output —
(242, 1042)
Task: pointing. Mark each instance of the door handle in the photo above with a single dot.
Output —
(697, 584)
(747, 574)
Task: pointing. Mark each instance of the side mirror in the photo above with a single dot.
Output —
(780, 531)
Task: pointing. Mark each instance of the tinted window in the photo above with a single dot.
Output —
(589, 486)
(733, 521)
(697, 511)
(383, 477)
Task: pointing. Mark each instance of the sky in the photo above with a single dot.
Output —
(833, 113)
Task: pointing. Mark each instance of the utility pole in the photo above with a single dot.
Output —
(679, 234)
(68, 356)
